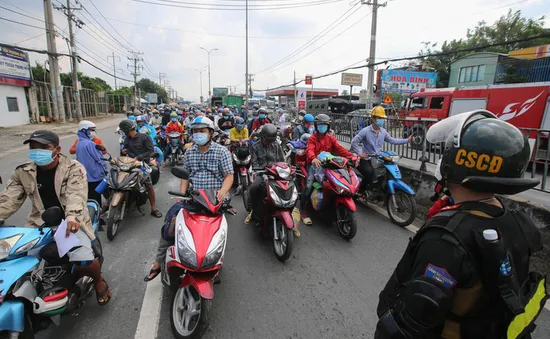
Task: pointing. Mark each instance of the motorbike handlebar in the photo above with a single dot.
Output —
(179, 194)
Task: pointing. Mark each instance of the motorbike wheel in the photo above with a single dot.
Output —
(112, 221)
(399, 206)
(283, 246)
(346, 222)
(98, 250)
(189, 314)
(173, 159)
(246, 193)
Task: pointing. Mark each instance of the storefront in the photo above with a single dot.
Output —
(15, 77)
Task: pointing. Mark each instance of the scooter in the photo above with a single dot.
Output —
(241, 163)
(195, 259)
(335, 190)
(296, 156)
(36, 286)
(387, 186)
(176, 152)
(279, 202)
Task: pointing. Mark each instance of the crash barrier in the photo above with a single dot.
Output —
(346, 126)
(92, 103)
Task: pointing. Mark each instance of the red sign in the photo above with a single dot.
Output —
(309, 79)
(301, 105)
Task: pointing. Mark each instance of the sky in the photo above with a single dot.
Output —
(318, 38)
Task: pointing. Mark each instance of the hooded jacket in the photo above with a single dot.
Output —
(90, 158)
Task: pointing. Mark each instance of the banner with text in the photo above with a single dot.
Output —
(14, 67)
(302, 98)
(407, 81)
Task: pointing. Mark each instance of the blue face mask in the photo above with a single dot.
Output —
(262, 116)
(226, 117)
(200, 138)
(380, 122)
(322, 129)
(174, 119)
(41, 157)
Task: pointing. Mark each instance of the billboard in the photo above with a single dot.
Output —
(151, 98)
(407, 81)
(536, 52)
(221, 91)
(302, 98)
(14, 67)
(352, 79)
(309, 79)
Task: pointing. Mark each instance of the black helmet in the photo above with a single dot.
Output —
(127, 125)
(269, 132)
(322, 119)
(482, 153)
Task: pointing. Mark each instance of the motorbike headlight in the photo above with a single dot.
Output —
(215, 250)
(395, 158)
(186, 253)
(124, 167)
(279, 202)
(6, 244)
(28, 246)
(284, 173)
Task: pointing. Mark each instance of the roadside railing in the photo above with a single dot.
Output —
(346, 126)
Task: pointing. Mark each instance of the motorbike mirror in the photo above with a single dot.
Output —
(53, 216)
(180, 172)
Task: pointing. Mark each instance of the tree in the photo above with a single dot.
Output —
(149, 86)
(39, 73)
(509, 27)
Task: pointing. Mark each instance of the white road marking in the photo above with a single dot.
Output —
(149, 317)
(415, 229)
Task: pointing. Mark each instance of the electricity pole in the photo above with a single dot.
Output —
(209, 51)
(246, 75)
(79, 23)
(114, 66)
(137, 68)
(371, 60)
(55, 81)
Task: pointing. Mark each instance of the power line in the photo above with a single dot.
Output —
(317, 37)
(104, 40)
(471, 49)
(104, 30)
(237, 9)
(21, 23)
(123, 38)
(306, 3)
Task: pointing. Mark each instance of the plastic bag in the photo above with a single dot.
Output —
(317, 199)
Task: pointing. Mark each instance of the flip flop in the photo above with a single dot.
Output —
(156, 214)
(307, 221)
(297, 233)
(248, 218)
(102, 295)
(154, 271)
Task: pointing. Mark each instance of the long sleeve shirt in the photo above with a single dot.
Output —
(264, 155)
(96, 141)
(140, 147)
(90, 158)
(372, 142)
(318, 143)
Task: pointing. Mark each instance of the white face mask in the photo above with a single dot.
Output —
(438, 171)
(92, 135)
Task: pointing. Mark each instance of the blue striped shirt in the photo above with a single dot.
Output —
(207, 170)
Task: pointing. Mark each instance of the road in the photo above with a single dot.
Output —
(328, 288)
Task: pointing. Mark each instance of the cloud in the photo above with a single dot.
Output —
(402, 27)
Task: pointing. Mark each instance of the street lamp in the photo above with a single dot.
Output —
(200, 72)
(209, 51)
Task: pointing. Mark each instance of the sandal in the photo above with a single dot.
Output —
(248, 218)
(297, 233)
(156, 214)
(101, 295)
(154, 271)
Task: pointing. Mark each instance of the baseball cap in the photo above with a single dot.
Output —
(44, 137)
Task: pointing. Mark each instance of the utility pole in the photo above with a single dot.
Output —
(209, 85)
(79, 23)
(55, 81)
(161, 76)
(250, 79)
(295, 92)
(114, 66)
(137, 68)
(371, 60)
(246, 75)
(200, 73)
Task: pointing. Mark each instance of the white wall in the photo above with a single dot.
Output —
(13, 118)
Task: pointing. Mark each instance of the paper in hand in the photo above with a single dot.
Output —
(64, 244)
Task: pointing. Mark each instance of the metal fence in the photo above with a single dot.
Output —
(92, 103)
(346, 126)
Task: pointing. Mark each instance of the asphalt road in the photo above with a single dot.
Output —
(328, 288)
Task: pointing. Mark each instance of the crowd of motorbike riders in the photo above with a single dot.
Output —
(440, 288)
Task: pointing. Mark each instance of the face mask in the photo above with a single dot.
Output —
(41, 157)
(91, 135)
(262, 116)
(380, 122)
(239, 128)
(226, 116)
(322, 129)
(200, 138)
(174, 119)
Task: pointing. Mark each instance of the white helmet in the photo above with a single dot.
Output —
(202, 122)
(86, 124)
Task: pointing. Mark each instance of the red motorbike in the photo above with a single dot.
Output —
(335, 192)
(279, 202)
(195, 259)
(241, 164)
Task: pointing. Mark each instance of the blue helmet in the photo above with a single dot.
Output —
(309, 118)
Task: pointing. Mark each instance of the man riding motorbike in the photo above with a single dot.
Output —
(244, 112)
(319, 142)
(239, 132)
(372, 139)
(262, 120)
(156, 120)
(255, 115)
(173, 127)
(307, 126)
(210, 167)
(89, 155)
(52, 179)
(140, 146)
(226, 122)
(93, 136)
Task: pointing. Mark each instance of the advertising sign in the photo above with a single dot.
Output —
(407, 81)
(283, 100)
(14, 67)
(536, 52)
(309, 79)
(302, 98)
(221, 91)
(152, 98)
(352, 79)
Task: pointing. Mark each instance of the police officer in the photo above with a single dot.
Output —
(465, 274)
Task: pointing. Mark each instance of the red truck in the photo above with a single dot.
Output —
(526, 106)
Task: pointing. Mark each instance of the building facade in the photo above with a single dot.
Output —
(15, 77)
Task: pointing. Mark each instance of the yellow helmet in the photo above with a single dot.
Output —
(378, 112)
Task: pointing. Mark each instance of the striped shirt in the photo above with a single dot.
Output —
(208, 169)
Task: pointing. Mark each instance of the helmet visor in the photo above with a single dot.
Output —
(454, 125)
